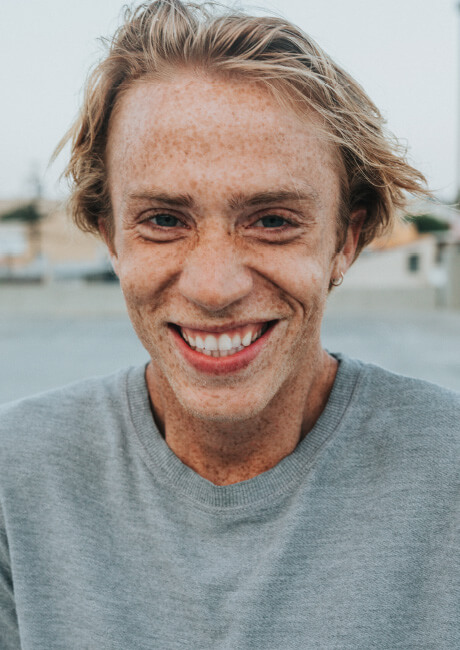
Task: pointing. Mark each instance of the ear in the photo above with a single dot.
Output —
(346, 255)
(108, 239)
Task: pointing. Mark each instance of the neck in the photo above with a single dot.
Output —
(229, 452)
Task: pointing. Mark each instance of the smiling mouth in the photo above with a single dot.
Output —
(223, 344)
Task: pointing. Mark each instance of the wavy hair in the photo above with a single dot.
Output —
(160, 36)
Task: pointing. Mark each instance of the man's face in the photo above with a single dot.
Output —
(225, 212)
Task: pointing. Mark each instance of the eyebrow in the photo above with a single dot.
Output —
(237, 201)
(182, 200)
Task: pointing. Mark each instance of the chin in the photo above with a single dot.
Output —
(222, 409)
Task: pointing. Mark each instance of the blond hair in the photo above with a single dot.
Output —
(160, 36)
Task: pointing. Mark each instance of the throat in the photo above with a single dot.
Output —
(227, 452)
(229, 457)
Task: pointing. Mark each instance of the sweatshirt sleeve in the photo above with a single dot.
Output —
(9, 630)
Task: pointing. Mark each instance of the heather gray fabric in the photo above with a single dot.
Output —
(108, 541)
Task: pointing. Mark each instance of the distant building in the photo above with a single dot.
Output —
(62, 251)
(424, 268)
(403, 260)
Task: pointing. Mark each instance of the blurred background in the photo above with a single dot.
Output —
(61, 311)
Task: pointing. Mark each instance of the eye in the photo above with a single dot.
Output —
(271, 221)
(164, 220)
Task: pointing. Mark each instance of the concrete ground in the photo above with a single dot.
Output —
(52, 337)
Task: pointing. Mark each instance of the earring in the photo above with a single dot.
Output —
(337, 281)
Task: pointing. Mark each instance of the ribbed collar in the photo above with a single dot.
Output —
(186, 483)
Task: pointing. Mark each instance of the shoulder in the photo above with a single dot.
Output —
(404, 417)
(73, 416)
(419, 400)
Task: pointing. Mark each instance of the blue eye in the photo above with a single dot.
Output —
(271, 221)
(165, 220)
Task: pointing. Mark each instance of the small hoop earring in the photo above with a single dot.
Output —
(337, 281)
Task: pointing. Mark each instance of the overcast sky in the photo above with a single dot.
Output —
(404, 53)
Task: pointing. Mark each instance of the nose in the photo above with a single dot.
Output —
(214, 275)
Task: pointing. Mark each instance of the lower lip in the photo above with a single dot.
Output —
(221, 365)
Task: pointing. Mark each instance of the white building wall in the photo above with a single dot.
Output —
(13, 240)
(390, 268)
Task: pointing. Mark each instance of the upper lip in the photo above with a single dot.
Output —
(214, 329)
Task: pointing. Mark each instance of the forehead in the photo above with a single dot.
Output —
(223, 131)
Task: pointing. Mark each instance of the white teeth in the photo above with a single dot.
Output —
(236, 341)
(210, 342)
(225, 342)
(246, 340)
(222, 345)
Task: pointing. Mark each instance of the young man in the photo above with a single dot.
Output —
(246, 489)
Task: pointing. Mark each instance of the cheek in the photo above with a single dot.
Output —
(143, 271)
(300, 273)
(135, 279)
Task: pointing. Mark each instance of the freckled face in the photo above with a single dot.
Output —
(225, 209)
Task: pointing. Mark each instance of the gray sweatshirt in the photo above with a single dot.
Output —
(107, 541)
